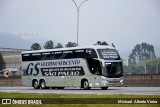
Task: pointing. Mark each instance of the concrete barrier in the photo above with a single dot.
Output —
(11, 81)
(142, 80)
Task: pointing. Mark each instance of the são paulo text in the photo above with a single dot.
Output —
(72, 73)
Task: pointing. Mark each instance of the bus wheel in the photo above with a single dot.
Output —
(35, 84)
(43, 84)
(60, 87)
(53, 87)
(86, 85)
(104, 88)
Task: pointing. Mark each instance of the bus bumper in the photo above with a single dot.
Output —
(112, 82)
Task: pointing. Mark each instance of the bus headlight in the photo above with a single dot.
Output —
(103, 78)
(121, 81)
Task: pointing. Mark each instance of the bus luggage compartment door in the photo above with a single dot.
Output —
(59, 81)
(68, 80)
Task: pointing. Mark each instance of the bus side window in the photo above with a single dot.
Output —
(90, 53)
(35, 56)
(94, 54)
(45, 56)
(68, 55)
(97, 70)
(26, 57)
(94, 66)
(58, 56)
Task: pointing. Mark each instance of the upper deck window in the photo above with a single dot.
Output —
(64, 54)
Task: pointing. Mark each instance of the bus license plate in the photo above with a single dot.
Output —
(114, 85)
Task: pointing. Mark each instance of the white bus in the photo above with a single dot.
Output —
(85, 67)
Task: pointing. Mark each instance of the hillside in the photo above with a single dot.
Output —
(9, 41)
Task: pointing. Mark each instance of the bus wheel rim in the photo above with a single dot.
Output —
(43, 85)
(35, 84)
(86, 84)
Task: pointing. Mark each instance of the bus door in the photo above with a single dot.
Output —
(97, 77)
(96, 70)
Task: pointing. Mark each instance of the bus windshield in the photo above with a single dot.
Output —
(108, 54)
(113, 70)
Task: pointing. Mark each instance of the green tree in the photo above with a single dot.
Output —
(71, 44)
(59, 45)
(35, 46)
(141, 52)
(49, 45)
(101, 43)
(2, 63)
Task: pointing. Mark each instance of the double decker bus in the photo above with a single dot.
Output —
(85, 67)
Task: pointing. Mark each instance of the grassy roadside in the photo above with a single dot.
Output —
(74, 96)
(48, 95)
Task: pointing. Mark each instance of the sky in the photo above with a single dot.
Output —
(122, 22)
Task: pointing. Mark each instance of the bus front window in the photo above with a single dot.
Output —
(114, 70)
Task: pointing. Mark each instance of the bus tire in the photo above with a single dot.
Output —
(35, 84)
(43, 84)
(85, 85)
(53, 87)
(60, 87)
(104, 88)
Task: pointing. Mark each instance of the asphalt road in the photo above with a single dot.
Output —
(111, 90)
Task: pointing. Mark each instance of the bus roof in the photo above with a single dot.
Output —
(70, 48)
